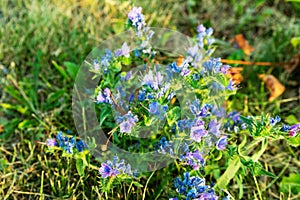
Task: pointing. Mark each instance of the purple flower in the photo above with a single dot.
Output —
(137, 18)
(198, 131)
(113, 168)
(106, 171)
(51, 142)
(201, 28)
(214, 127)
(124, 51)
(225, 68)
(294, 130)
(127, 122)
(154, 81)
(221, 143)
(210, 195)
(194, 159)
(104, 97)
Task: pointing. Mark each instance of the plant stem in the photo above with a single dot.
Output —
(258, 189)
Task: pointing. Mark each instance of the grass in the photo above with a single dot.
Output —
(35, 94)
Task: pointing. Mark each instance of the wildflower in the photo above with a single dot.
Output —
(225, 68)
(137, 18)
(154, 81)
(285, 127)
(127, 122)
(274, 121)
(210, 195)
(107, 171)
(106, 59)
(193, 187)
(164, 146)
(96, 64)
(194, 159)
(231, 86)
(142, 95)
(51, 142)
(104, 97)
(213, 65)
(156, 109)
(221, 143)
(81, 145)
(113, 168)
(124, 51)
(214, 127)
(198, 131)
(294, 130)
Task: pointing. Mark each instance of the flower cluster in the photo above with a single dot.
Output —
(114, 168)
(126, 122)
(137, 18)
(293, 130)
(104, 97)
(193, 187)
(67, 143)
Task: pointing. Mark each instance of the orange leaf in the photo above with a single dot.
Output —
(235, 75)
(243, 44)
(274, 86)
(1, 128)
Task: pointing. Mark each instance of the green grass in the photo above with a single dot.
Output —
(35, 93)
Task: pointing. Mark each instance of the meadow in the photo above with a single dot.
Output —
(44, 43)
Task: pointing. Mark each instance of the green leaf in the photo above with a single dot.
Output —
(291, 183)
(137, 184)
(72, 69)
(291, 119)
(173, 115)
(61, 70)
(294, 141)
(80, 167)
(230, 172)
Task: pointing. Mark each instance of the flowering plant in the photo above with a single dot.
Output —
(148, 102)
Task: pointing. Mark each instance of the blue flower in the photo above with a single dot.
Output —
(112, 169)
(173, 66)
(221, 143)
(142, 95)
(106, 59)
(154, 108)
(285, 127)
(274, 121)
(106, 170)
(66, 143)
(81, 145)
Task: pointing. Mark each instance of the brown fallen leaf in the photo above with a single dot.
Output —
(1, 128)
(243, 44)
(235, 75)
(293, 64)
(274, 86)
